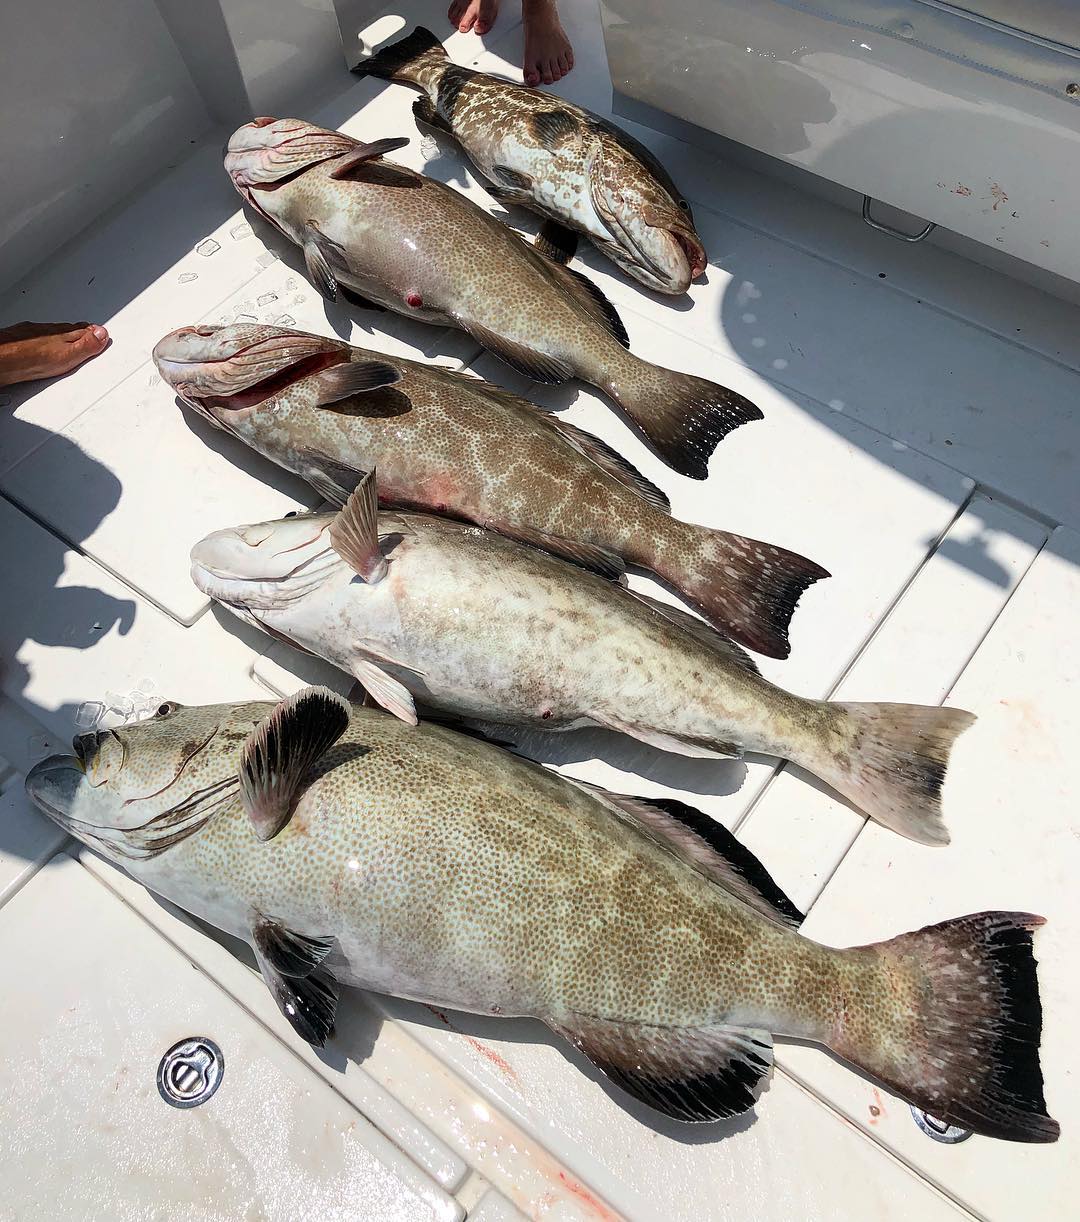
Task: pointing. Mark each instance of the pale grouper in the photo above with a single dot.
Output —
(413, 245)
(453, 444)
(348, 848)
(481, 628)
(539, 151)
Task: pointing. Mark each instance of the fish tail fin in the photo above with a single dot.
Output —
(890, 761)
(405, 60)
(962, 1040)
(746, 588)
(683, 417)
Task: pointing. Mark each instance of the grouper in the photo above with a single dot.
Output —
(541, 152)
(405, 242)
(452, 444)
(481, 628)
(349, 849)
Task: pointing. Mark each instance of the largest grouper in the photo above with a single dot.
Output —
(408, 243)
(348, 848)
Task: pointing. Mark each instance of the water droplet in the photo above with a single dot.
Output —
(207, 248)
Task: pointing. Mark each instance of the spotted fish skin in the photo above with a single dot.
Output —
(560, 160)
(448, 443)
(416, 246)
(433, 867)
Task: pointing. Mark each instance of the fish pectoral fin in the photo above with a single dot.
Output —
(288, 952)
(556, 242)
(693, 1074)
(512, 180)
(354, 378)
(316, 246)
(424, 112)
(332, 479)
(585, 555)
(709, 847)
(354, 532)
(387, 691)
(702, 632)
(680, 744)
(309, 1002)
(365, 152)
(282, 749)
(612, 462)
(527, 361)
(552, 128)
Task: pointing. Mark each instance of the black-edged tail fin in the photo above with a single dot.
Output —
(683, 417)
(963, 1044)
(745, 588)
(890, 762)
(405, 59)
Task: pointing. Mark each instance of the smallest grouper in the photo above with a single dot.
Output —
(543, 153)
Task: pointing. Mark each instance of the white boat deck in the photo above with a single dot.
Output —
(921, 440)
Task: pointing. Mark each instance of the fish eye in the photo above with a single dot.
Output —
(163, 710)
(684, 205)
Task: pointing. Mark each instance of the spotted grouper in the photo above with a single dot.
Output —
(541, 152)
(486, 630)
(408, 243)
(349, 849)
(455, 445)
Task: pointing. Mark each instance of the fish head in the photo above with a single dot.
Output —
(651, 224)
(267, 150)
(135, 791)
(229, 371)
(264, 569)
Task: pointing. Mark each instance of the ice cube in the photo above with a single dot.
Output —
(246, 318)
(266, 258)
(266, 298)
(88, 714)
(147, 685)
(243, 230)
(429, 147)
(187, 277)
(5, 400)
(290, 283)
(284, 320)
(207, 247)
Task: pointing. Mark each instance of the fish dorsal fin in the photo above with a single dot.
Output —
(305, 992)
(556, 242)
(702, 632)
(527, 361)
(318, 250)
(552, 128)
(366, 152)
(596, 304)
(354, 532)
(352, 378)
(282, 749)
(612, 462)
(710, 848)
(602, 127)
(693, 1074)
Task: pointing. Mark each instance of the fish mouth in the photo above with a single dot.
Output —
(52, 784)
(278, 584)
(269, 387)
(692, 248)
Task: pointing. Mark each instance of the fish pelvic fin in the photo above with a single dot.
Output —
(409, 61)
(693, 1074)
(745, 588)
(282, 749)
(889, 760)
(683, 417)
(964, 1044)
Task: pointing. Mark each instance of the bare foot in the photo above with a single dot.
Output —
(476, 15)
(548, 54)
(32, 350)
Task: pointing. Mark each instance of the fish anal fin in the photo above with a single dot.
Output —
(527, 361)
(385, 690)
(282, 749)
(556, 242)
(424, 112)
(289, 952)
(317, 248)
(612, 462)
(353, 378)
(710, 848)
(552, 128)
(308, 1002)
(702, 632)
(679, 744)
(585, 555)
(354, 532)
(694, 1074)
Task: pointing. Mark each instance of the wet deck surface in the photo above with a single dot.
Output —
(921, 441)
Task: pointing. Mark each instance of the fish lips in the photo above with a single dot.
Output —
(53, 784)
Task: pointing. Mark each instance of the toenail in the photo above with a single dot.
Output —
(99, 332)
